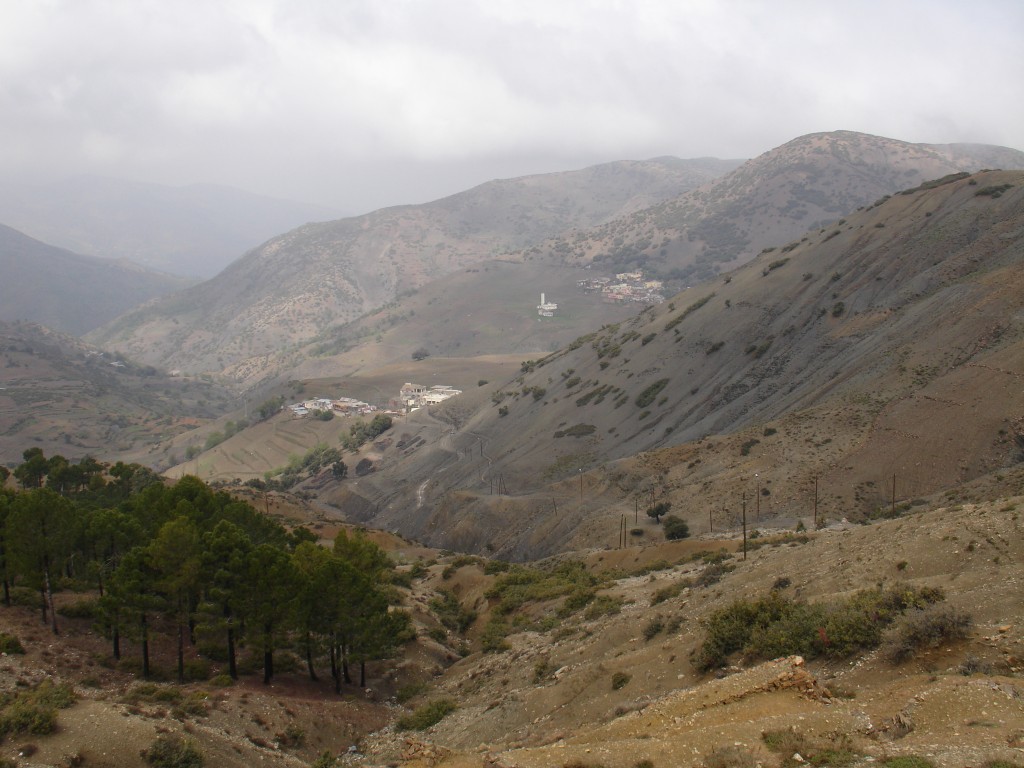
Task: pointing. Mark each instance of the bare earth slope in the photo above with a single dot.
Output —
(889, 344)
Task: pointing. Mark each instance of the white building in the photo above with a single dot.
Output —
(545, 308)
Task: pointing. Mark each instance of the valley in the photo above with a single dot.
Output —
(770, 520)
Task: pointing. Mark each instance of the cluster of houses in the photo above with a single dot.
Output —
(342, 405)
(415, 396)
(625, 286)
(411, 397)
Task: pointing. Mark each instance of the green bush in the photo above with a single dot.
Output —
(675, 528)
(82, 609)
(26, 597)
(492, 640)
(619, 680)
(170, 751)
(650, 394)
(10, 644)
(775, 625)
(34, 711)
(603, 605)
(667, 593)
(427, 715)
(451, 613)
(836, 752)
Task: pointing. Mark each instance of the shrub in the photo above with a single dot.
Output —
(26, 597)
(667, 593)
(926, 628)
(675, 528)
(451, 613)
(493, 638)
(651, 393)
(835, 753)
(654, 626)
(602, 605)
(730, 756)
(10, 644)
(775, 625)
(34, 711)
(82, 609)
(170, 751)
(427, 715)
(747, 445)
(907, 761)
(619, 680)
(411, 690)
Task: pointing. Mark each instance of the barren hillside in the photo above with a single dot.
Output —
(886, 345)
(301, 283)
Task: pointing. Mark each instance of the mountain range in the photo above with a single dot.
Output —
(313, 279)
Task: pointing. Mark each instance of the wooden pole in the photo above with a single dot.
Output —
(815, 502)
(757, 514)
(711, 524)
(744, 525)
(894, 494)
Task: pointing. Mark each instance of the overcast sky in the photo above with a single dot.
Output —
(357, 104)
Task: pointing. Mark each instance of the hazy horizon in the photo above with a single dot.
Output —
(373, 105)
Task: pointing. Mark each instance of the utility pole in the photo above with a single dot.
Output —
(744, 525)
(815, 502)
(757, 517)
(894, 494)
(581, 486)
(711, 525)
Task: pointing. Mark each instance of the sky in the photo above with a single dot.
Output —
(360, 104)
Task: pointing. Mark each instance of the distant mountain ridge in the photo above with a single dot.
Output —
(67, 291)
(301, 283)
(769, 201)
(194, 230)
(683, 220)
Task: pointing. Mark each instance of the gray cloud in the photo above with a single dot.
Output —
(360, 104)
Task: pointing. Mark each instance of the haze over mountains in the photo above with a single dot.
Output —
(70, 292)
(297, 285)
(192, 231)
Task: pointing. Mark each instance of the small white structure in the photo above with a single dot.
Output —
(546, 309)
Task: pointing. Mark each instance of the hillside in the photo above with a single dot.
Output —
(488, 308)
(886, 345)
(599, 677)
(70, 292)
(69, 398)
(669, 217)
(195, 230)
(302, 283)
(773, 199)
